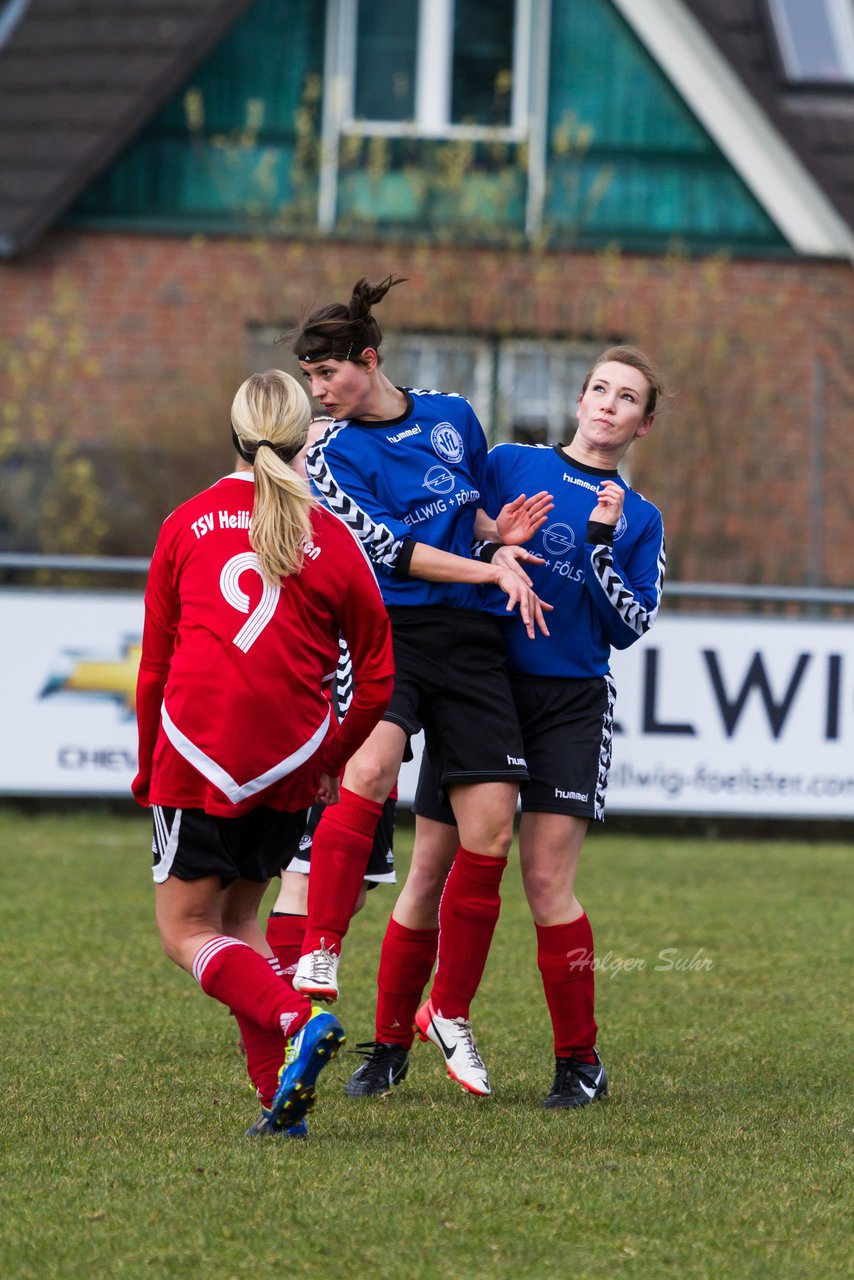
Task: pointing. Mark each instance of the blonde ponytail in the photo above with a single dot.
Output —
(270, 416)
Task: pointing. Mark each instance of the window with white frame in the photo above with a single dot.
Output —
(538, 386)
(522, 389)
(437, 68)
(435, 71)
(463, 365)
(816, 39)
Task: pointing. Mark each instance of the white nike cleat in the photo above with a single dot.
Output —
(316, 974)
(454, 1037)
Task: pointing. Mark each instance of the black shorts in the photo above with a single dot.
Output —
(567, 728)
(451, 681)
(380, 868)
(191, 844)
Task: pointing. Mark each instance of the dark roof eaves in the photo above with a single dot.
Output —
(30, 225)
(777, 99)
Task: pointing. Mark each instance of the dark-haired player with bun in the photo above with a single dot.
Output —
(406, 470)
(287, 919)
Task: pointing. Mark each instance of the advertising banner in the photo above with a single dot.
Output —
(734, 716)
(68, 686)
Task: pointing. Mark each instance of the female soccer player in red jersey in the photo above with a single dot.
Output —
(406, 470)
(251, 583)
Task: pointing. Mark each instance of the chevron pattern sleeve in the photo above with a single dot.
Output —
(347, 496)
(627, 596)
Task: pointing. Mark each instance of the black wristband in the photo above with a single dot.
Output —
(487, 550)
(401, 569)
(598, 533)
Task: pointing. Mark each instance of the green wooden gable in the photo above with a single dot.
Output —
(237, 147)
(627, 162)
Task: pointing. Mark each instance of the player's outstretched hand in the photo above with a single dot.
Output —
(520, 519)
(328, 790)
(513, 558)
(531, 608)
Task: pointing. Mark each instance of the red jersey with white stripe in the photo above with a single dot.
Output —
(230, 703)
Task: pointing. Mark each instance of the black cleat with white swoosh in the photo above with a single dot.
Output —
(576, 1083)
(385, 1066)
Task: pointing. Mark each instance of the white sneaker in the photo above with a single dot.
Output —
(317, 974)
(454, 1037)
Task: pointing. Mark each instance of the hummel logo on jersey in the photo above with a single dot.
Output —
(403, 435)
(585, 484)
(517, 760)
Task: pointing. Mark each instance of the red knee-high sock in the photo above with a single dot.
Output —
(284, 938)
(339, 855)
(565, 961)
(264, 1049)
(468, 914)
(241, 979)
(406, 962)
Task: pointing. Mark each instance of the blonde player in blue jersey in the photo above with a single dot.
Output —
(601, 566)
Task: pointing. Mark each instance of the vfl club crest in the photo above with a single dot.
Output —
(447, 442)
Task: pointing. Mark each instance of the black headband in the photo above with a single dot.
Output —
(328, 355)
(248, 451)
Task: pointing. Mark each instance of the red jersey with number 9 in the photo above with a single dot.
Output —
(230, 700)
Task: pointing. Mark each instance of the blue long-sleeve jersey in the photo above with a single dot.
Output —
(604, 595)
(418, 478)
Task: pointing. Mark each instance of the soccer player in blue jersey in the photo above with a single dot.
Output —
(406, 470)
(602, 568)
(286, 922)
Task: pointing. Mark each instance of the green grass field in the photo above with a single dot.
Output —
(724, 1004)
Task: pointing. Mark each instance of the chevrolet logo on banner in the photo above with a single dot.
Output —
(92, 676)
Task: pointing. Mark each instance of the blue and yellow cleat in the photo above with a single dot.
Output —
(263, 1128)
(308, 1052)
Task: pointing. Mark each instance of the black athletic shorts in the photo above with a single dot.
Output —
(191, 844)
(380, 869)
(451, 680)
(567, 728)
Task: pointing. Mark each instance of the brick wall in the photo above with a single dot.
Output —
(141, 341)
